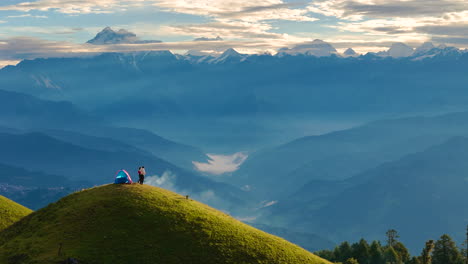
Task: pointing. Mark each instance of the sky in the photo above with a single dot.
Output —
(47, 28)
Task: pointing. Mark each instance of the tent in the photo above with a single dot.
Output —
(122, 176)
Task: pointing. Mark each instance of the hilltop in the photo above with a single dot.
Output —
(140, 224)
(11, 212)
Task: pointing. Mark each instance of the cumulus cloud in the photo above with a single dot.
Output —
(220, 164)
(168, 181)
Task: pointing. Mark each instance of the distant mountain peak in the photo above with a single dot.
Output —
(122, 36)
(319, 41)
(317, 47)
(399, 49)
(350, 52)
(230, 52)
(229, 55)
(425, 47)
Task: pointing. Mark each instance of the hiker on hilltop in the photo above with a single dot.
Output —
(141, 174)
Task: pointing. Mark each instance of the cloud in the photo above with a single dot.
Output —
(352, 9)
(235, 19)
(220, 164)
(218, 38)
(409, 19)
(18, 48)
(26, 15)
(166, 180)
(244, 10)
(74, 6)
(229, 29)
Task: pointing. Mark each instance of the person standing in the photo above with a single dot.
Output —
(141, 174)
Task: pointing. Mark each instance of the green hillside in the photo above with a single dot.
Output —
(11, 212)
(141, 224)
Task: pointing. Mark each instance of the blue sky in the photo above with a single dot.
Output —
(61, 27)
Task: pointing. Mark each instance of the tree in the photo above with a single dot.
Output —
(376, 253)
(402, 252)
(343, 252)
(415, 260)
(426, 253)
(351, 261)
(446, 251)
(392, 236)
(361, 251)
(464, 249)
(326, 254)
(391, 256)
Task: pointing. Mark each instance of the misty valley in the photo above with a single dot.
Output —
(323, 150)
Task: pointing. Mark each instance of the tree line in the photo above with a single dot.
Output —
(442, 251)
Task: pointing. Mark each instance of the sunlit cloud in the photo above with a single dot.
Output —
(26, 15)
(220, 164)
(406, 20)
(74, 6)
(244, 10)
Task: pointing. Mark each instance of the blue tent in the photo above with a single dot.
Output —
(122, 176)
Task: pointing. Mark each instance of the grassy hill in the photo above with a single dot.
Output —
(11, 212)
(141, 224)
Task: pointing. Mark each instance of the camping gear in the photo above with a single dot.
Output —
(122, 177)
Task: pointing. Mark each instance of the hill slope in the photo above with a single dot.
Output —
(10, 212)
(141, 224)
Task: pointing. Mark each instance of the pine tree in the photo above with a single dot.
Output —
(326, 254)
(464, 247)
(343, 252)
(415, 260)
(361, 251)
(392, 236)
(426, 253)
(376, 253)
(446, 251)
(402, 252)
(391, 256)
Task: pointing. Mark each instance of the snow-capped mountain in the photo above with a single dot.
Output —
(424, 48)
(400, 50)
(109, 36)
(317, 48)
(230, 55)
(350, 53)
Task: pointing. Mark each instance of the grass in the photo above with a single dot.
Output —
(11, 212)
(141, 224)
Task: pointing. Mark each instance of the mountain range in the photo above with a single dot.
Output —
(236, 102)
(282, 170)
(422, 195)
